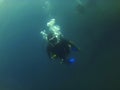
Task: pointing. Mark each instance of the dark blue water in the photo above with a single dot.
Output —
(24, 64)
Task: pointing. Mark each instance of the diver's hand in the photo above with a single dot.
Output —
(62, 61)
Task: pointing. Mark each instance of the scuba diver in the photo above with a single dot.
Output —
(58, 48)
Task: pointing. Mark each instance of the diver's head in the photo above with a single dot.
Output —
(52, 39)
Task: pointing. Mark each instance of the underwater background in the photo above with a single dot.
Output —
(93, 25)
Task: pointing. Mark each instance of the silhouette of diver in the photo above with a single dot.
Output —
(59, 49)
(57, 46)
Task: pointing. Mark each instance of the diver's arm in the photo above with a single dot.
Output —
(50, 53)
(73, 46)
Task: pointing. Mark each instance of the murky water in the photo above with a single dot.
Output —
(93, 25)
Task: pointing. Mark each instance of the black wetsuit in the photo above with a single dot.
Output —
(61, 49)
